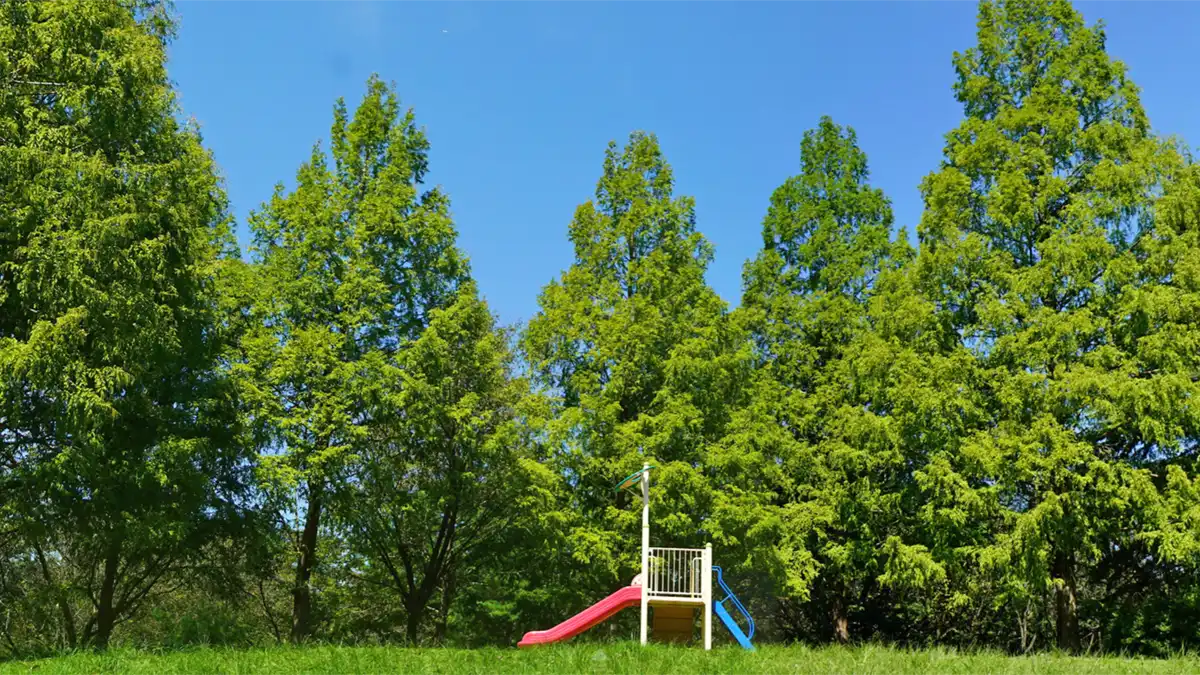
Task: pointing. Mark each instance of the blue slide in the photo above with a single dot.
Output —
(743, 639)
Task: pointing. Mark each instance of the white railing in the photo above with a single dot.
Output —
(676, 572)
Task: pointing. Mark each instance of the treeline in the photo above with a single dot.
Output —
(986, 439)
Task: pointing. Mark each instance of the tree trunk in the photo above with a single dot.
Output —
(416, 611)
(841, 622)
(301, 591)
(444, 616)
(1067, 619)
(105, 612)
(63, 605)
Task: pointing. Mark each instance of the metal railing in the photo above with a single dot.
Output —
(676, 572)
(737, 604)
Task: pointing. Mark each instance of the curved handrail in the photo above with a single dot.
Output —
(736, 603)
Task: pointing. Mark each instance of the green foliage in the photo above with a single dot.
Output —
(640, 360)
(435, 484)
(989, 439)
(1035, 235)
(117, 461)
(826, 444)
(350, 265)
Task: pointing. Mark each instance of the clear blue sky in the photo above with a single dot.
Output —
(520, 99)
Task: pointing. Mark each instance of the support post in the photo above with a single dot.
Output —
(645, 552)
(706, 593)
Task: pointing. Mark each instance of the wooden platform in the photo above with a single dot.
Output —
(672, 622)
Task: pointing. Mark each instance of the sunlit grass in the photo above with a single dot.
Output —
(601, 659)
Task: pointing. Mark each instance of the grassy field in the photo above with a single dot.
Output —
(618, 658)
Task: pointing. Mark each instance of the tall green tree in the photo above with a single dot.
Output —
(833, 457)
(116, 461)
(639, 357)
(440, 477)
(1149, 573)
(350, 265)
(1029, 248)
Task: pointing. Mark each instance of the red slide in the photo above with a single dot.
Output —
(630, 596)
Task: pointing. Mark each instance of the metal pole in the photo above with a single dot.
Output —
(645, 551)
(706, 593)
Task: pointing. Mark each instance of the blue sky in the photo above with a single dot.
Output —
(520, 99)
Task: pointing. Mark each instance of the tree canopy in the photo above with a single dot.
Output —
(118, 461)
(350, 265)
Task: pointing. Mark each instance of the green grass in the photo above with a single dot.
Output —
(600, 659)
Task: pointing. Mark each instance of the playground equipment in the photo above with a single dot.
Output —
(743, 639)
(674, 584)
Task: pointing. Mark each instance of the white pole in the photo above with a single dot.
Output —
(645, 552)
(707, 593)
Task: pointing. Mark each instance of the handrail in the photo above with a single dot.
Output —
(674, 572)
(736, 603)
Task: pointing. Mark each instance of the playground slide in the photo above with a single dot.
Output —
(630, 596)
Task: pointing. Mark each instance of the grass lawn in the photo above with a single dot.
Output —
(617, 658)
